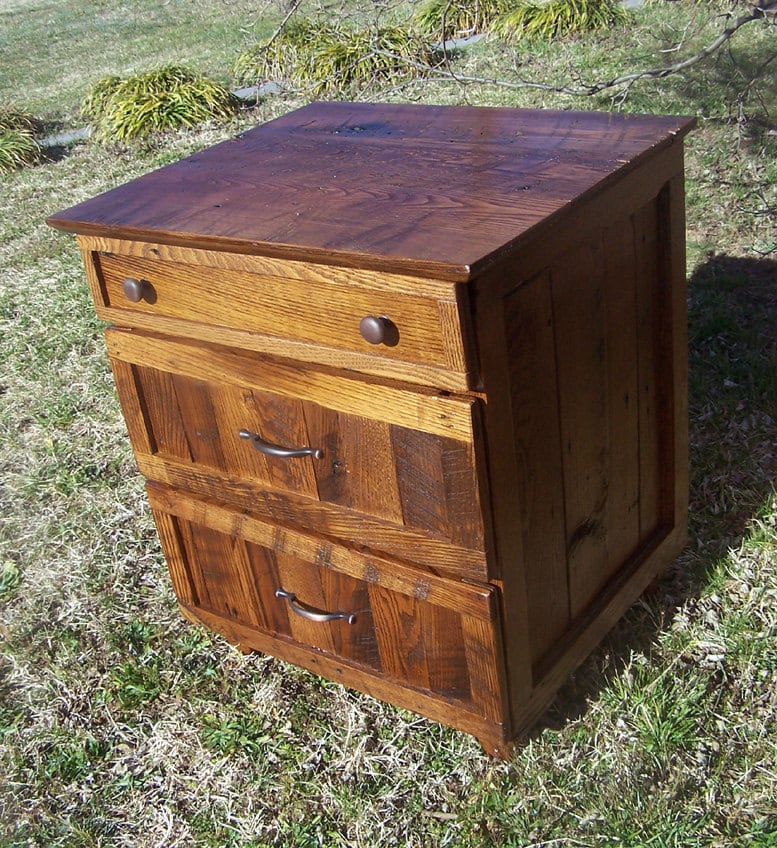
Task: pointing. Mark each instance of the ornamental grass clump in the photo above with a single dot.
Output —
(324, 58)
(286, 57)
(358, 58)
(169, 98)
(451, 18)
(515, 19)
(18, 146)
(549, 19)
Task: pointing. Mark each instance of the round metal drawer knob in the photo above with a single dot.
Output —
(377, 329)
(137, 290)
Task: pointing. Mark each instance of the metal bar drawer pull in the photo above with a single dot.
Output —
(269, 449)
(312, 613)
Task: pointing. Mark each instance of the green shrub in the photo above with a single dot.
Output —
(283, 57)
(18, 146)
(326, 58)
(360, 57)
(555, 18)
(443, 19)
(94, 105)
(516, 18)
(168, 98)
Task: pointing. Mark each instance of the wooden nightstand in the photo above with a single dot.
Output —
(408, 387)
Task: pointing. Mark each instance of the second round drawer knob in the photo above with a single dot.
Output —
(137, 290)
(377, 329)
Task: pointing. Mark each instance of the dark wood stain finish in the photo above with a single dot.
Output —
(500, 481)
(441, 190)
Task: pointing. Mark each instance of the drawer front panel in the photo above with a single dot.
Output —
(314, 320)
(213, 414)
(435, 635)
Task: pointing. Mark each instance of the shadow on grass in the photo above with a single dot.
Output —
(733, 455)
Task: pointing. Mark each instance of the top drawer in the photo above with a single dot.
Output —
(309, 312)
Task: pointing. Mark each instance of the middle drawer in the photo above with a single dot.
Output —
(383, 467)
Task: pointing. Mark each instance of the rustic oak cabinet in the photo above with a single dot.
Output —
(407, 384)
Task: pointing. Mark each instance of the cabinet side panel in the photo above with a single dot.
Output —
(533, 383)
(622, 394)
(578, 307)
(597, 350)
(645, 227)
(673, 348)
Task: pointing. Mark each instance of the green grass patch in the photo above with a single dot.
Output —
(10, 578)
(53, 52)
(230, 735)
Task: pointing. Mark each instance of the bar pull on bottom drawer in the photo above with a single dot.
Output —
(269, 449)
(311, 613)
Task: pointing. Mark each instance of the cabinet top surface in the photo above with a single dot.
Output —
(431, 190)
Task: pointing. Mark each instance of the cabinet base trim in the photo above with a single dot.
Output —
(492, 736)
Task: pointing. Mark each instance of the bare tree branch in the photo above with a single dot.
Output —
(293, 6)
(758, 11)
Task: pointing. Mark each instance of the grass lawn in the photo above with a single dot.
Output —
(122, 725)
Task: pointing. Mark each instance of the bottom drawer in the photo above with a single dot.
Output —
(423, 642)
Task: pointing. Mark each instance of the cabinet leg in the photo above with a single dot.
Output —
(497, 748)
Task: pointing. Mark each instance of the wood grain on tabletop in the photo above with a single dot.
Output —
(431, 190)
